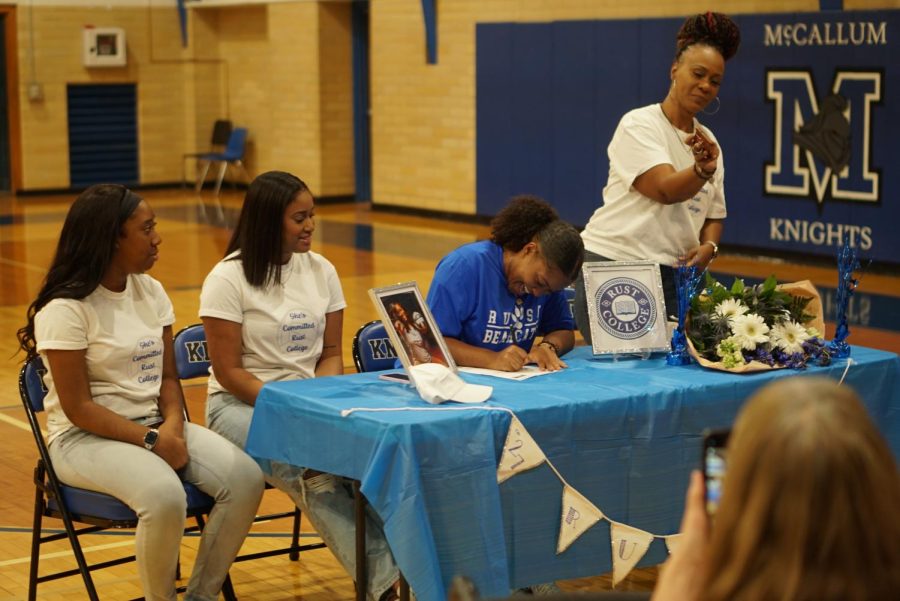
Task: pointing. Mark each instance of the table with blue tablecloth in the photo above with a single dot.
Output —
(625, 434)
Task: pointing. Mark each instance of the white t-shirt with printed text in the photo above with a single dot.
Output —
(122, 335)
(629, 226)
(283, 325)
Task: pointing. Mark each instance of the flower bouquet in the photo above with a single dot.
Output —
(755, 328)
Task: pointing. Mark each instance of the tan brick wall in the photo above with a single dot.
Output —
(57, 60)
(423, 116)
(283, 71)
(336, 98)
(256, 65)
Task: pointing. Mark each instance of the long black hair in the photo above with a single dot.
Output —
(526, 217)
(259, 234)
(86, 246)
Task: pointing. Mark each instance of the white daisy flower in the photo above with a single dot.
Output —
(749, 330)
(790, 336)
(731, 308)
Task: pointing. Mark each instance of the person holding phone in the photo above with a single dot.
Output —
(115, 408)
(273, 310)
(714, 466)
(491, 299)
(808, 507)
(664, 199)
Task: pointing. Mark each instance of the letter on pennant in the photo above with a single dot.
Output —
(628, 547)
(520, 452)
(578, 514)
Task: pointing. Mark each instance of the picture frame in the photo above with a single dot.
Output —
(410, 326)
(626, 307)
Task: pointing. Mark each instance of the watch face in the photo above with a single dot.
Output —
(150, 438)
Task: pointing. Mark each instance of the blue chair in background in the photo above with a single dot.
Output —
(219, 139)
(372, 349)
(192, 361)
(232, 155)
(97, 511)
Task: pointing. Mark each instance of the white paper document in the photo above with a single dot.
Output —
(528, 371)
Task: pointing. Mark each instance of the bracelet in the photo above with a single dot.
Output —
(715, 248)
(551, 345)
(702, 173)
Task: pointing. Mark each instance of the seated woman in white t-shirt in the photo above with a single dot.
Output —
(664, 200)
(273, 310)
(115, 409)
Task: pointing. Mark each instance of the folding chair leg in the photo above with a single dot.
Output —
(202, 177)
(35, 544)
(228, 589)
(79, 557)
(362, 576)
(294, 555)
(240, 164)
(221, 177)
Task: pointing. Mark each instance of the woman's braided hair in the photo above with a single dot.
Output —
(712, 29)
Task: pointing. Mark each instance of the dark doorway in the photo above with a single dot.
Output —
(362, 159)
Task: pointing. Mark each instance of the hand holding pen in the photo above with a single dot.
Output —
(513, 357)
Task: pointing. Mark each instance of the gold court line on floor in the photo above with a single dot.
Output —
(18, 423)
(29, 266)
(10, 562)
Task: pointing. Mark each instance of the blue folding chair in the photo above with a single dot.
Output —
(74, 505)
(220, 134)
(232, 155)
(192, 361)
(372, 349)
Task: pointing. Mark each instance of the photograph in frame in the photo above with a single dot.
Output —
(410, 326)
(626, 307)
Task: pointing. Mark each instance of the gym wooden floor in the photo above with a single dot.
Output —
(369, 248)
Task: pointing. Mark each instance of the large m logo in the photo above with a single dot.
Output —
(804, 169)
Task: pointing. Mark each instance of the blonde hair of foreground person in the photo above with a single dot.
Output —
(810, 509)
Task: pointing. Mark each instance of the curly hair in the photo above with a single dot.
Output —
(711, 29)
(526, 217)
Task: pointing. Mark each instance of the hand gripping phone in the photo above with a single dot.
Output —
(714, 461)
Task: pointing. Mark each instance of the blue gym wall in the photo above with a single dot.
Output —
(549, 96)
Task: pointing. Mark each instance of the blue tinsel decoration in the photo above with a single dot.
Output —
(686, 281)
(847, 262)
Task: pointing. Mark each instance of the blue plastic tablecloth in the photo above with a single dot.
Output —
(625, 434)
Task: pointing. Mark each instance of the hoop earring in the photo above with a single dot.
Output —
(718, 106)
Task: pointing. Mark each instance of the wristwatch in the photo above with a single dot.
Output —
(150, 438)
(715, 248)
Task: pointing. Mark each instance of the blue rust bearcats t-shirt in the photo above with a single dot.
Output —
(471, 301)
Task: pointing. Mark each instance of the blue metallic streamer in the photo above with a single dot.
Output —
(686, 281)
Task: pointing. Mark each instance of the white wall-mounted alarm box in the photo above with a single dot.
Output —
(104, 47)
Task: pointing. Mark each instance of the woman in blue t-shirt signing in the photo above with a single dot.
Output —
(491, 298)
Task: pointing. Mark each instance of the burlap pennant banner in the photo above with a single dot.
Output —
(672, 542)
(628, 547)
(578, 514)
(520, 452)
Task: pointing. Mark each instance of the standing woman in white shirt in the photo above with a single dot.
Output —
(273, 310)
(665, 197)
(115, 409)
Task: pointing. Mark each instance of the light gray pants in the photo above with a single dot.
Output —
(330, 513)
(145, 482)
